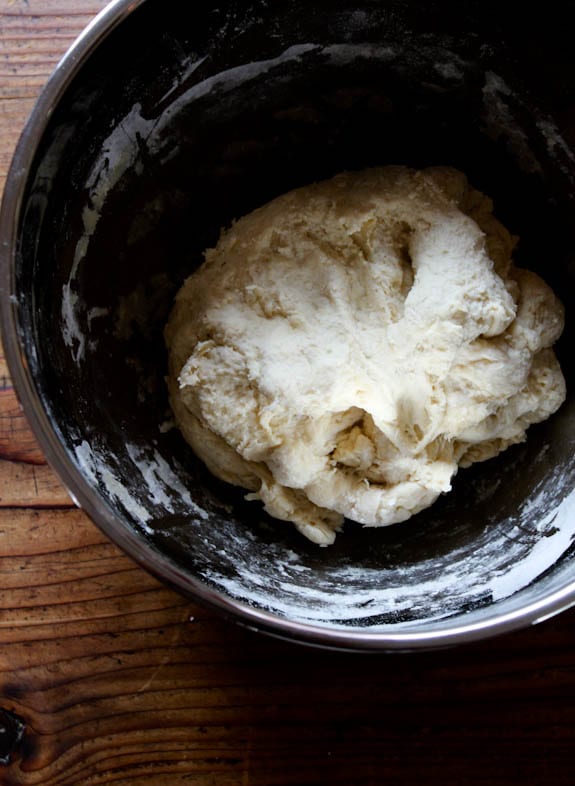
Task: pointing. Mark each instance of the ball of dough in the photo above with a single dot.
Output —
(346, 347)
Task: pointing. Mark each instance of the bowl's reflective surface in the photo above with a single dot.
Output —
(169, 131)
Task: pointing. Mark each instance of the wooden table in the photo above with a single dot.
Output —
(120, 681)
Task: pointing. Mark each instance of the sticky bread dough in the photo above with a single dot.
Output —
(346, 347)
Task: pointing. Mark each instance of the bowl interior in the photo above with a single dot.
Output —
(169, 132)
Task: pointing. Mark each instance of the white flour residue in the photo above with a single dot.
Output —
(99, 473)
(292, 589)
(557, 146)
(543, 554)
(189, 65)
(502, 122)
(317, 606)
(158, 477)
(97, 311)
(224, 82)
(529, 511)
(72, 333)
(503, 564)
(120, 151)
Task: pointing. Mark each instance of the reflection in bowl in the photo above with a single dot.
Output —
(140, 149)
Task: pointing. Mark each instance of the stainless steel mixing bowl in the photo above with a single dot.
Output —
(162, 125)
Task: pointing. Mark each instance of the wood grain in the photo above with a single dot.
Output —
(118, 686)
(34, 34)
(120, 681)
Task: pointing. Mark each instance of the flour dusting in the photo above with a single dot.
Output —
(100, 474)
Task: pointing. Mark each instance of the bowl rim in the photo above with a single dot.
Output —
(87, 497)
